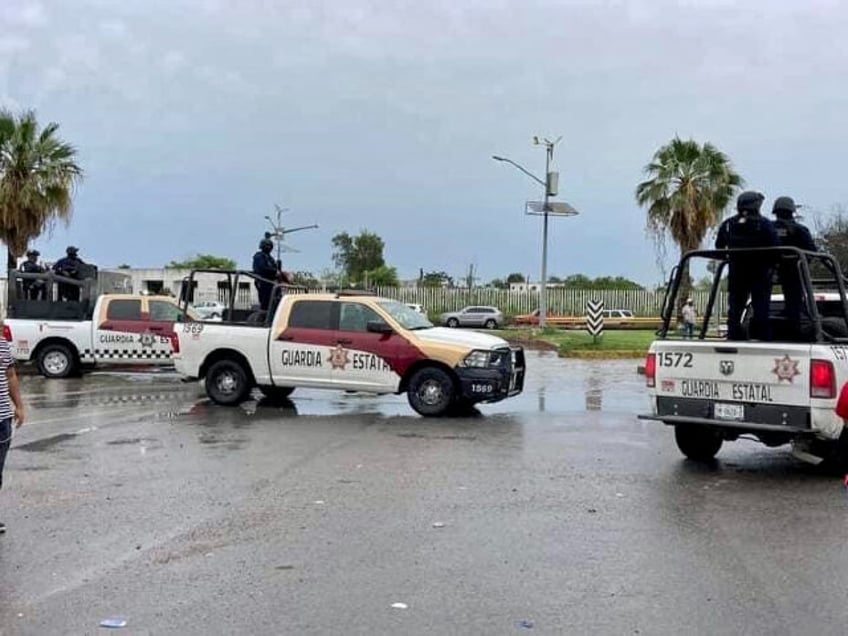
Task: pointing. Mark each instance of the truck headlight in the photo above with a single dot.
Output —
(477, 359)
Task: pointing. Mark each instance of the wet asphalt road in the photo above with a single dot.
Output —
(132, 496)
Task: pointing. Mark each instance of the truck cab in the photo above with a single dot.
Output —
(783, 390)
(351, 341)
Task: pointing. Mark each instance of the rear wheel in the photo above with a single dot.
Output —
(491, 323)
(276, 393)
(431, 392)
(453, 323)
(227, 383)
(56, 361)
(698, 443)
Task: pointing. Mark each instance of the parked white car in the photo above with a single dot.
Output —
(210, 309)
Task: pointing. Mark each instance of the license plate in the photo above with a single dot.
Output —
(729, 411)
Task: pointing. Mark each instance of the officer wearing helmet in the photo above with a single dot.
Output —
(265, 267)
(69, 267)
(790, 233)
(33, 289)
(750, 274)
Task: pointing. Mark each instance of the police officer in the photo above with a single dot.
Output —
(790, 233)
(33, 289)
(69, 267)
(265, 267)
(750, 274)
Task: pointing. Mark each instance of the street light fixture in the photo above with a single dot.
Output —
(545, 208)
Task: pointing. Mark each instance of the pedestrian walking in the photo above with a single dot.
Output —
(690, 316)
(11, 406)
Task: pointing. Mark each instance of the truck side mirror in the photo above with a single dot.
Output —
(378, 326)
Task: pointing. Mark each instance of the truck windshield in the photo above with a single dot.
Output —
(408, 318)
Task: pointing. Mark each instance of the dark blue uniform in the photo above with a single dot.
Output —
(792, 234)
(265, 266)
(33, 289)
(750, 274)
(69, 266)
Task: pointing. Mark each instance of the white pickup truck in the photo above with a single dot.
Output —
(781, 391)
(351, 342)
(117, 330)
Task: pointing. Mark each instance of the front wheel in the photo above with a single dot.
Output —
(56, 361)
(431, 392)
(276, 393)
(227, 383)
(698, 443)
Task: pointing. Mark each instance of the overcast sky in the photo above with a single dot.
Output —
(193, 117)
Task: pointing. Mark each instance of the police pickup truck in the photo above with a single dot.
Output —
(781, 391)
(63, 336)
(346, 341)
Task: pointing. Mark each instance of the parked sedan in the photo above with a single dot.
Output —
(210, 309)
(488, 317)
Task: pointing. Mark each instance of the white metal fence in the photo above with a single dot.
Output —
(567, 302)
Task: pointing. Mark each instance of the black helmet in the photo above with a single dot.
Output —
(783, 207)
(71, 251)
(749, 201)
(35, 253)
(266, 245)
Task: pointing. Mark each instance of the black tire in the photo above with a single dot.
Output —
(227, 383)
(57, 361)
(698, 443)
(453, 323)
(431, 392)
(276, 393)
(491, 323)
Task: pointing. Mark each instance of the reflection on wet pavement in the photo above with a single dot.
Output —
(553, 385)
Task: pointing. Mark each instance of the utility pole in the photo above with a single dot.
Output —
(544, 208)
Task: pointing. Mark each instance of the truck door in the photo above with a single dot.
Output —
(302, 343)
(118, 330)
(363, 359)
(162, 314)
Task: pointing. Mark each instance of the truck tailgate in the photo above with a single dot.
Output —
(736, 381)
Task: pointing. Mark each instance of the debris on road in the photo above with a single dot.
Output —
(525, 624)
(113, 623)
(439, 524)
(400, 606)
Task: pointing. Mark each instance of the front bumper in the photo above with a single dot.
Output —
(492, 384)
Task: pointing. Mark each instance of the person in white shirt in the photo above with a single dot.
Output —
(689, 318)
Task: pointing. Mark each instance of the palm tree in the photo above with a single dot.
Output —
(38, 176)
(689, 187)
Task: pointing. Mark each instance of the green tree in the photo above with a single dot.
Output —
(515, 277)
(355, 255)
(305, 279)
(437, 279)
(38, 176)
(689, 186)
(499, 283)
(578, 281)
(383, 276)
(124, 266)
(203, 261)
(833, 236)
(614, 282)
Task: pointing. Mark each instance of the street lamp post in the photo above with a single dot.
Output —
(550, 185)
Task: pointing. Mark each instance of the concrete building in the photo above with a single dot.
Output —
(175, 282)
